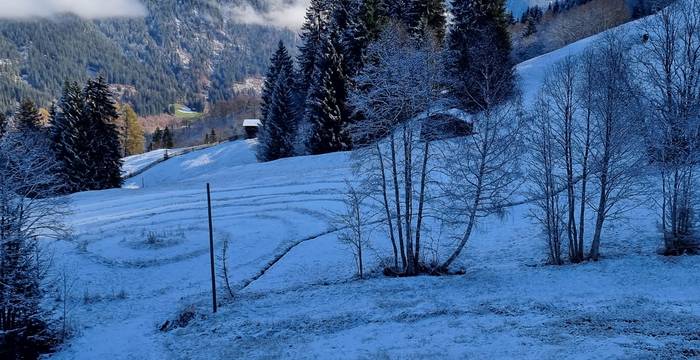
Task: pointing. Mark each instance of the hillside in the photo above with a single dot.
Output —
(139, 258)
(183, 51)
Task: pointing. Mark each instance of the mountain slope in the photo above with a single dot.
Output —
(140, 256)
(183, 51)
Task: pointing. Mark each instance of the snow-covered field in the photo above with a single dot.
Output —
(140, 256)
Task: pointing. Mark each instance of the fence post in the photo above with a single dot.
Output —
(211, 249)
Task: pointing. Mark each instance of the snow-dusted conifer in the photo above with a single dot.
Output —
(27, 117)
(105, 153)
(326, 106)
(427, 17)
(278, 131)
(70, 137)
(312, 33)
(479, 50)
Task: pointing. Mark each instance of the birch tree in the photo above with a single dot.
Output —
(670, 62)
(400, 84)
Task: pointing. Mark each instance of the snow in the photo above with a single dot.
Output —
(295, 292)
(252, 123)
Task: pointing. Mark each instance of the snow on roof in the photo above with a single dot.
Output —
(252, 123)
(455, 113)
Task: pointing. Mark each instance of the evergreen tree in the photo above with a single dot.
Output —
(312, 33)
(213, 137)
(157, 139)
(427, 17)
(271, 77)
(352, 35)
(28, 117)
(70, 137)
(530, 27)
(479, 47)
(326, 108)
(279, 125)
(168, 142)
(280, 56)
(370, 20)
(105, 153)
(395, 10)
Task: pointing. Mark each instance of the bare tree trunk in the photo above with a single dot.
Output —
(408, 195)
(472, 215)
(389, 218)
(397, 200)
(600, 217)
(421, 199)
(588, 71)
(570, 185)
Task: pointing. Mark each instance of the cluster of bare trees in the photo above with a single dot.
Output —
(670, 72)
(417, 176)
(401, 81)
(605, 122)
(29, 211)
(586, 148)
(613, 118)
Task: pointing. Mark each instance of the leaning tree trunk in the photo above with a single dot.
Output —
(472, 216)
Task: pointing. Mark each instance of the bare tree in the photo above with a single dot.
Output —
(560, 89)
(670, 61)
(353, 220)
(588, 105)
(396, 92)
(29, 212)
(546, 181)
(481, 172)
(618, 151)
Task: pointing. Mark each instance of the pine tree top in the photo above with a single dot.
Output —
(28, 116)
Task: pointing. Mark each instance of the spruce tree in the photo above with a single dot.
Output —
(105, 153)
(157, 139)
(70, 137)
(279, 125)
(479, 49)
(271, 77)
(27, 117)
(427, 17)
(395, 10)
(370, 20)
(168, 142)
(312, 33)
(326, 108)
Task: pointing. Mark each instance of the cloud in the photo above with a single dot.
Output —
(280, 13)
(89, 9)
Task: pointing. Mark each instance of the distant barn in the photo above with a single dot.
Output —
(251, 127)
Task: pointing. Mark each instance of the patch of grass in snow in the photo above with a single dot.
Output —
(156, 240)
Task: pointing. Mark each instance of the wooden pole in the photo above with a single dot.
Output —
(211, 250)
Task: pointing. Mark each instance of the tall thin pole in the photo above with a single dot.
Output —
(211, 249)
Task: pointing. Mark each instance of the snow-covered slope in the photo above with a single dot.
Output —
(139, 256)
